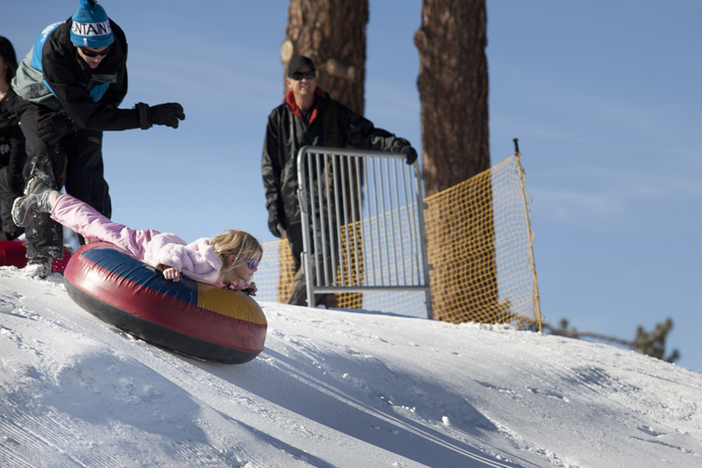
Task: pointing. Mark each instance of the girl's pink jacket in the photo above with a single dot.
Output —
(197, 260)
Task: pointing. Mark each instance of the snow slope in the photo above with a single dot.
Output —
(332, 389)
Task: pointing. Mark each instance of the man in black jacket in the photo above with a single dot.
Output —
(299, 121)
(69, 87)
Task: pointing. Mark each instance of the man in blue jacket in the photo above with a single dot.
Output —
(69, 89)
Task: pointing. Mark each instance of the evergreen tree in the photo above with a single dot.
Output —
(651, 344)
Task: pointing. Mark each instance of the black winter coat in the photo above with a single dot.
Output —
(287, 132)
(12, 152)
(71, 81)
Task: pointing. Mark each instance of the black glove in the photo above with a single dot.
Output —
(167, 114)
(52, 127)
(274, 221)
(410, 152)
(163, 114)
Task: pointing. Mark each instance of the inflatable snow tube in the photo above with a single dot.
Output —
(187, 317)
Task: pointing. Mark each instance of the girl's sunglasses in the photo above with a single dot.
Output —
(253, 264)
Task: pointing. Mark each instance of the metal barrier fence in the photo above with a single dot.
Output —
(479, 243)
(363, 223)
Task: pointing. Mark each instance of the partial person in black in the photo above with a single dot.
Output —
(12, 154)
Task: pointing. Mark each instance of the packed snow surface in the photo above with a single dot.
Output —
(331, 389)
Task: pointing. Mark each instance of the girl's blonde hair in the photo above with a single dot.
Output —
(237, 243)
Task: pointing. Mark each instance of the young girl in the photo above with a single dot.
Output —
(228, 260)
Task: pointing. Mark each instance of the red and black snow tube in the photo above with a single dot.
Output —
(187, 317)
(14, 253)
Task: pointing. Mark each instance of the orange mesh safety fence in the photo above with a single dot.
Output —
(479, 243)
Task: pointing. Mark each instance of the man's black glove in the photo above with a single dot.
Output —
(274, 220)
(52, 127)
(167, 114)
(163, 114)
(410, 152)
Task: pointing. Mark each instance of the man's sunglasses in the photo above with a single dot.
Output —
(297, 76)
(92, 53)
(252, 263)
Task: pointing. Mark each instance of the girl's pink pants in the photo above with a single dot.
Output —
(85, 220)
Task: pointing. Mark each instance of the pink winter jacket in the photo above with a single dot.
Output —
(197, 260)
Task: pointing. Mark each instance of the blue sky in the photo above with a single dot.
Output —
(603, 96)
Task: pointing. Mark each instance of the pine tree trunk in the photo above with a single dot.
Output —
(333, 34)
(453, 88)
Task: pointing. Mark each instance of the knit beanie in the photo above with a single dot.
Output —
(91, 26)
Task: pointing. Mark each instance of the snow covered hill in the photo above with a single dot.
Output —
(331, 389)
